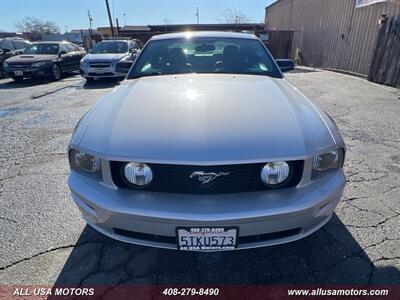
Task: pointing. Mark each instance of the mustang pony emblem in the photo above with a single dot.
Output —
(205, 178)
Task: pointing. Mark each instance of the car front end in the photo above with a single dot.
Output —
(99, 68)
(206, 161)
(103, 59)
(151, 218)
(27, 68)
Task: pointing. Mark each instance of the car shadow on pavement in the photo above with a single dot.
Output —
(329, 256)
(102, 83)
(11, 84)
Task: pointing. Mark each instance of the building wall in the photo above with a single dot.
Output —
(332, 33)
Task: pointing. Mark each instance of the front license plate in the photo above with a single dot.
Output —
(207, 238)
(18, 73)
(100, 71)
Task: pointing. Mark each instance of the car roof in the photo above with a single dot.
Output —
(52, 42)
(111, 41)
(212, 34)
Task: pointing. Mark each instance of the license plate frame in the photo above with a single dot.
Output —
(207, 231)
(18, 73)
(100, 71)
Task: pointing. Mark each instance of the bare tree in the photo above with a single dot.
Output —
(235, 16)
(33, 25)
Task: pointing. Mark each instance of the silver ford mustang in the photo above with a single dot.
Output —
(206, 147)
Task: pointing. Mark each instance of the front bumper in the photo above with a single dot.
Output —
(264, 218)
(28, 71)
(87, 71)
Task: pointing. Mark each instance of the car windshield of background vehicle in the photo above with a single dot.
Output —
(110, 47)
(204, 55)
(42, 49)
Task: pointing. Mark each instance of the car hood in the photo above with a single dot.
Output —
(104, 57)
(31, 58)
(204, 119)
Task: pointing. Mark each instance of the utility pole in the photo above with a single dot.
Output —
(117, 23)
(197, 14)
(110, 19)
(90, 28)
(124, 19)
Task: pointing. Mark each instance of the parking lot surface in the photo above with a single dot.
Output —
(44, 241)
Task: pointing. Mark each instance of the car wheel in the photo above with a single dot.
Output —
(18, 79)
(89, 79)
(55, 72)
(2, 75)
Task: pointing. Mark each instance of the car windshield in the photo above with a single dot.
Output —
(204, 55)
(41, 49)
(110, 47)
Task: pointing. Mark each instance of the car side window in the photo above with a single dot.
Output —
(6, 44)
(72, 48)
(19, 44)
(62, 48)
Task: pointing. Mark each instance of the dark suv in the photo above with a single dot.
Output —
(10, 47)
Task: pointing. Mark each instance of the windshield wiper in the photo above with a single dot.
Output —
(146, 75)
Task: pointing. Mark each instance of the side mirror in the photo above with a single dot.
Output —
(285, 64)
(62, 53)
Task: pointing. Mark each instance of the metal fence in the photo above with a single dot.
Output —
(333, 34)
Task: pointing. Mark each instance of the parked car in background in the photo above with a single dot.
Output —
(104, 56)
(206, 147)
(42, 59)
(10, 47)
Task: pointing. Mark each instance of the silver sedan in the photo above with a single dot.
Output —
(206, 147)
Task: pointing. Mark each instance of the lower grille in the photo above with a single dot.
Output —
(177, 178)
(100, 74)
(259, 238)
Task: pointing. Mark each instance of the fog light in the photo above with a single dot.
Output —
(275, 173)
(138, 174)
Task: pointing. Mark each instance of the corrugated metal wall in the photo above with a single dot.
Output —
(332, 33)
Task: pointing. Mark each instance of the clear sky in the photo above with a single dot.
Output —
(72, 14)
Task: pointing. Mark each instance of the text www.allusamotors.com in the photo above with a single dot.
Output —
(337, 292)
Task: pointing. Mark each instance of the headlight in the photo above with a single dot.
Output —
(327, 161)
(126, 58)
(275, 173)
(84, 63)
(85, 163)
(39, 64)
(138, 174)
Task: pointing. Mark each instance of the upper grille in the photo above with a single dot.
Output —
(176, 178)
(100, 65)
(19, 65)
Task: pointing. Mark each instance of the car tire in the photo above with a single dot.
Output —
(2, 74)
(17, 79)
(89, 79)
(55, 72)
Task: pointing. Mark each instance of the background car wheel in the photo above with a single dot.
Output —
(89, 79)
(55, 72)
(18, 79)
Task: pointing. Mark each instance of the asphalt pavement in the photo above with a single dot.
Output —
(44, 241)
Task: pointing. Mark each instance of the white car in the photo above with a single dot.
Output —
(206, 147)
(104, 57)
